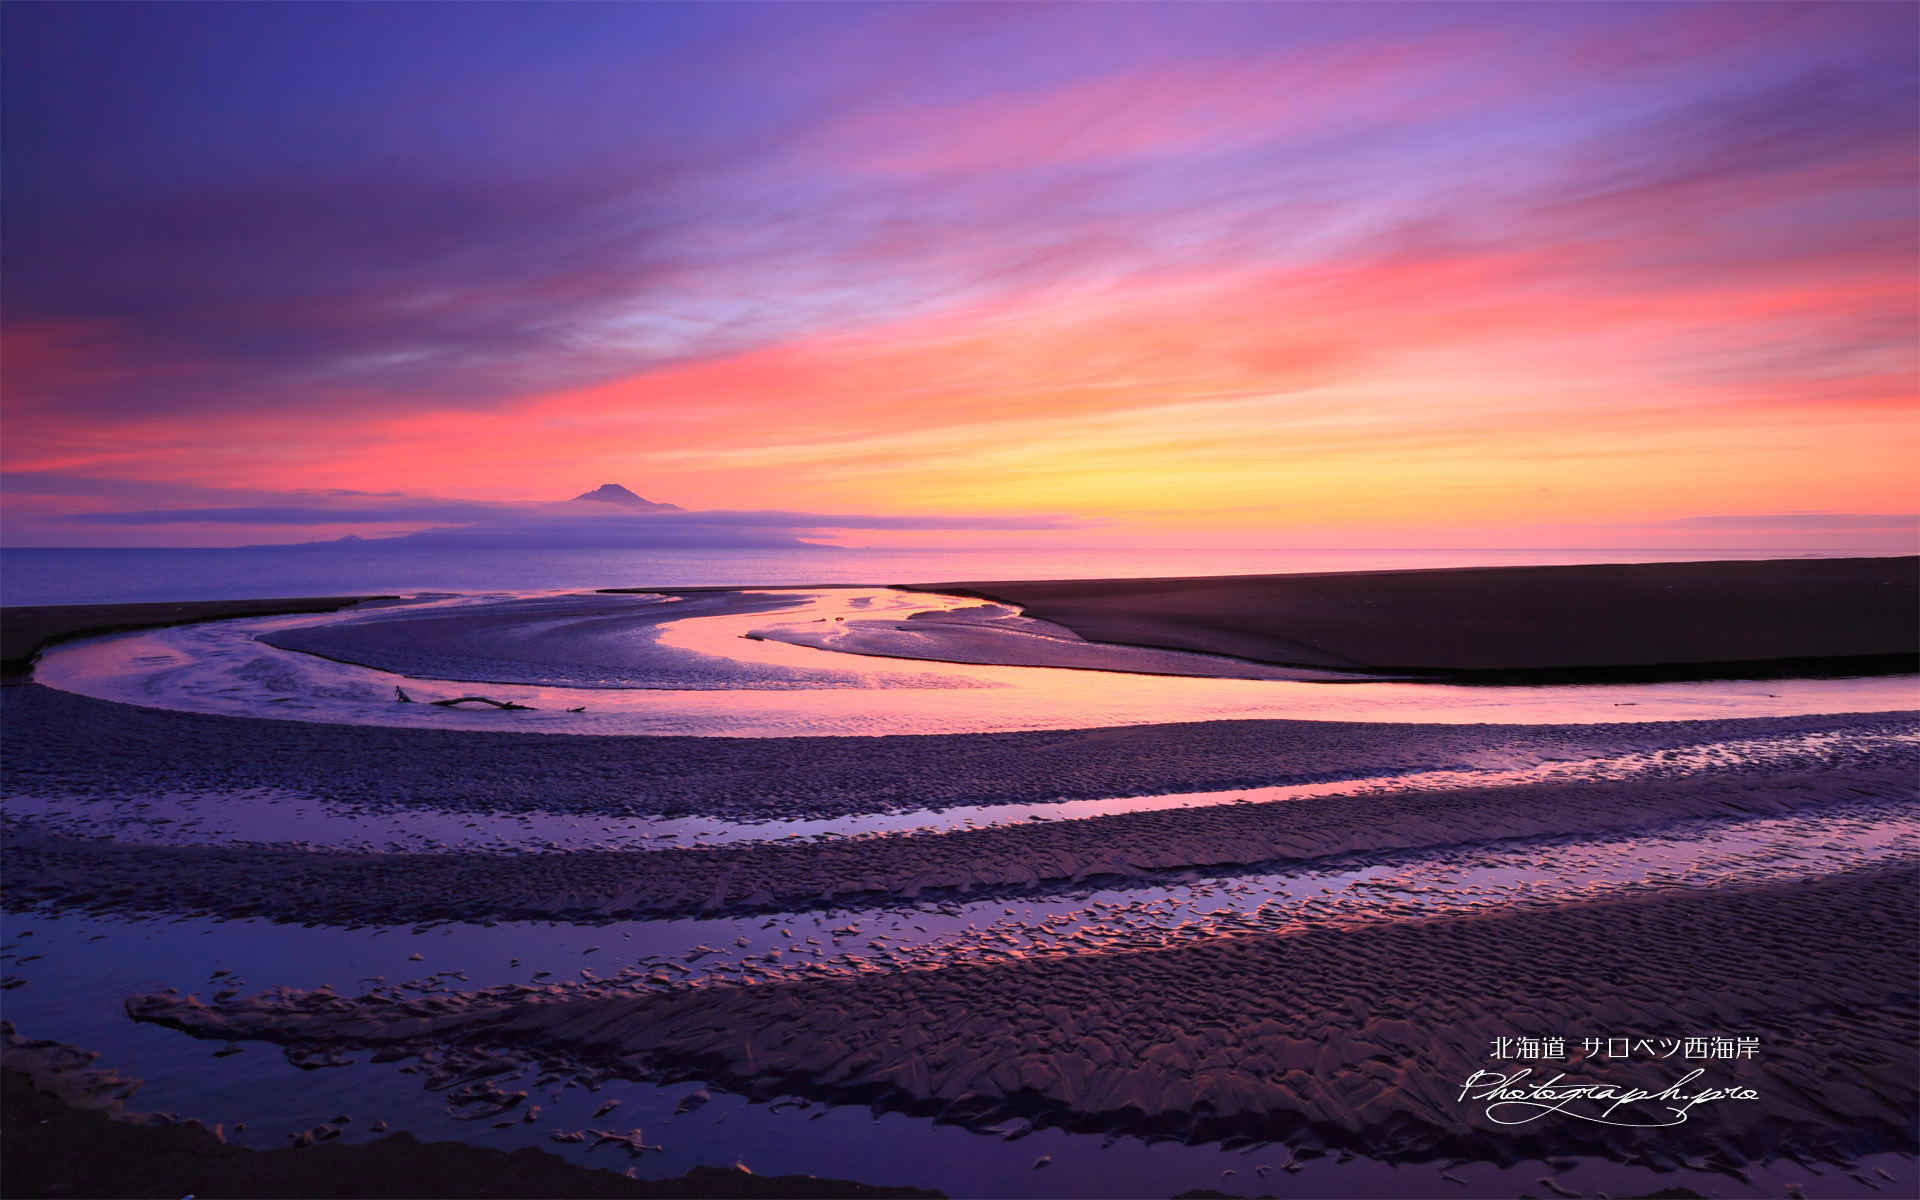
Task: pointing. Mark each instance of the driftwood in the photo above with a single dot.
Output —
(400, 694)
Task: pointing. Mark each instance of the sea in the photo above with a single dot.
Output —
(97, 576)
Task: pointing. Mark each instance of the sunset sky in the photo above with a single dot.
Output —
(1207, 275)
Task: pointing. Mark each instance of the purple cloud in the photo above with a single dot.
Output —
(223, 207)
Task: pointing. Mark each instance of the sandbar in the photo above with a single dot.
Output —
(1601, 623)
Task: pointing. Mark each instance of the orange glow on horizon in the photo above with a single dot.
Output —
(1248, 274)
(1413, 395)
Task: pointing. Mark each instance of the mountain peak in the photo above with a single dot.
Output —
(613, 493)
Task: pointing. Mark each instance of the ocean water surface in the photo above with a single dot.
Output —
(33, 576)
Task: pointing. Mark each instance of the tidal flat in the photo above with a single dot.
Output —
(928, 889)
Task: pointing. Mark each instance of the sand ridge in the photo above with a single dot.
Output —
(1309, 1038)
(1751, 619)
(347, 888)
(59, 743)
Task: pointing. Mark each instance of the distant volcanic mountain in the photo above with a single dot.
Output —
(613, 493)
(608, 517)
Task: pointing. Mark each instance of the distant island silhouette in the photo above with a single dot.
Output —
(611, 516)
(613, 493)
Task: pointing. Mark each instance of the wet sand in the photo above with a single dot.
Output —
(54, 742)
(1352, 1039)
(1642, 621)
(1320, 972)
(596, 642)
(722, 673)
(60, 1140)
(1008, 861)
(25, 630)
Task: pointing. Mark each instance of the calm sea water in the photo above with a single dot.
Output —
(106, 576)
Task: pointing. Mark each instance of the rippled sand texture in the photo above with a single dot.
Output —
(1307, 933)
(1354, 1039)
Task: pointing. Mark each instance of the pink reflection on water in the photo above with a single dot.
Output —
(220, 668)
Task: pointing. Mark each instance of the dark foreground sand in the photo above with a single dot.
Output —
(1327, 1037)
(1641, 621)
(54, 742)
(1355, 1039)
(1351, 1038)
(51, 1146)
(1004, 861)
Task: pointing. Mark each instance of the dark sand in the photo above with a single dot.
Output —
(50, 1146)
(1623, 622)
(1354, 1039)
(25, 630)
(1002, 861)
(54, 742)
(611, 640)
(58, 744)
